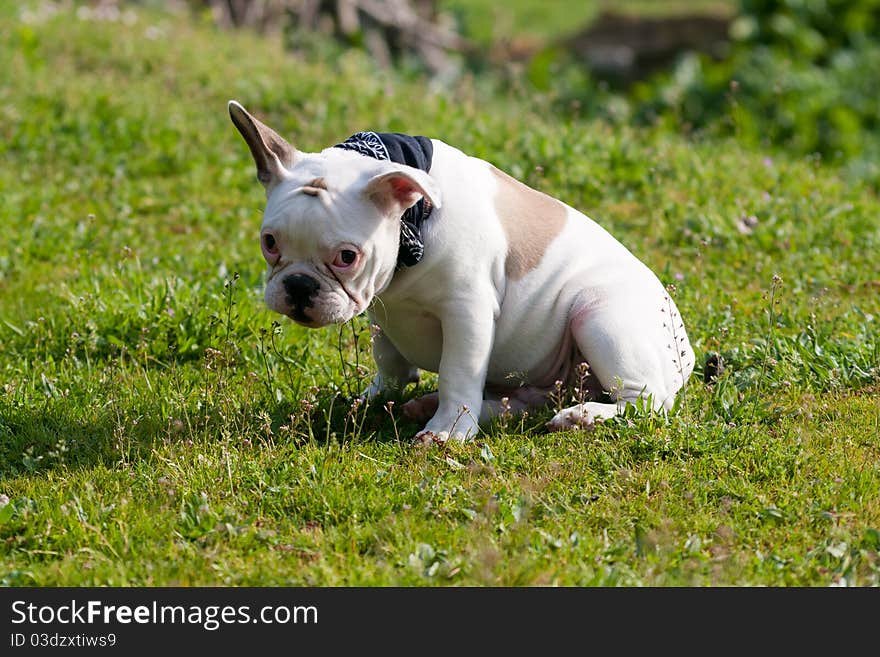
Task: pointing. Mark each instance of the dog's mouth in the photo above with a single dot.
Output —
(307, 322)
(312, 316)
(299, 316)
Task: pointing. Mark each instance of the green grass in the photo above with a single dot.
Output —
(158, 427)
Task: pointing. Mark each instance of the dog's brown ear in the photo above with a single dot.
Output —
(396, 190)
(272, 154)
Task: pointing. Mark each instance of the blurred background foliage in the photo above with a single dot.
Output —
(797, 75)
(801, 75)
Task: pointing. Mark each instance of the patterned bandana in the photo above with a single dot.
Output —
(416, 152)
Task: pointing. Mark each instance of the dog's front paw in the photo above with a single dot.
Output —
(574, 417)
(427, 438)
(438, 431)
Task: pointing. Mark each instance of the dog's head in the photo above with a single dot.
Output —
(331, 226)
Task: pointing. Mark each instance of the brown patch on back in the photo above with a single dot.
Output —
(531, 220)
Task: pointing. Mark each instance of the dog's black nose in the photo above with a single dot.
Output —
(300, 289)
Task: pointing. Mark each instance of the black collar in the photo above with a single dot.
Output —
(416, 152)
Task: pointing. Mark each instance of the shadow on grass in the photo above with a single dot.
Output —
(38, 439)
(34, 441)
(336, 416)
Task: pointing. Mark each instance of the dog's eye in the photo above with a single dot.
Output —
(345, 258)
(269, 246)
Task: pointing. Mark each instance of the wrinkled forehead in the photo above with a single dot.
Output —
(323, 196)
(339, 169)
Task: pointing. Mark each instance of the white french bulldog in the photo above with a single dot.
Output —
(501, 289)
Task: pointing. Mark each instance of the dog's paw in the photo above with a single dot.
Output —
(421, 409)
(459, 426)
(428, 438)
(575, 417)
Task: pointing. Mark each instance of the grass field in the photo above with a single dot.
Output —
(158, 426)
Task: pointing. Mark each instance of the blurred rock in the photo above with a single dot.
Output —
(630, 47)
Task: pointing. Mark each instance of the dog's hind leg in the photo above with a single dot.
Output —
(637, 348)
(421, 409)
(513, 402)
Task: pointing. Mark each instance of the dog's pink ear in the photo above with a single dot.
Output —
(395, 191)
(272, 154)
